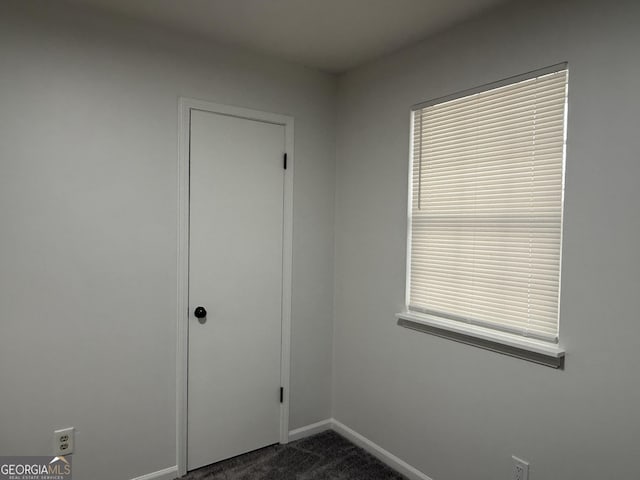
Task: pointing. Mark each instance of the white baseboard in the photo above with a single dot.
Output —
(363, 442)
(167, 474)
(311, 429)
(377, 451)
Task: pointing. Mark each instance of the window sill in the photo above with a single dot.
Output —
(528, 349)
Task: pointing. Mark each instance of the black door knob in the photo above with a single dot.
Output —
(200, 312)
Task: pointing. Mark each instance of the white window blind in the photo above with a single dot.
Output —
(486, 207)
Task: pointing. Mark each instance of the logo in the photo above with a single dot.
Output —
(35, 468)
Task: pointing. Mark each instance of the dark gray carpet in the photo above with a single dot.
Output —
(324, 456)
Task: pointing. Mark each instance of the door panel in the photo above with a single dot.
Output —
(235, 272)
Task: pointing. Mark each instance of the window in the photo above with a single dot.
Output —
(485, 226)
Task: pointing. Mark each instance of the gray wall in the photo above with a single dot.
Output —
(88, 216)
(455, 411)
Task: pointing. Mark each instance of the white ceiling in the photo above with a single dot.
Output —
(330, 35)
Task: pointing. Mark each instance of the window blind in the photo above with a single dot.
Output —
(486, 207)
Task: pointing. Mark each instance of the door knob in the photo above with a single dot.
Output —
(200, 312)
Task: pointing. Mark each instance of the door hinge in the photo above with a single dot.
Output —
(281, 394)
(285, 161)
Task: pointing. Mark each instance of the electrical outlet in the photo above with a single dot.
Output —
(63, 441)
(520, 469)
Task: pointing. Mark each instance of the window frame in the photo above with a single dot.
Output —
(512, 344)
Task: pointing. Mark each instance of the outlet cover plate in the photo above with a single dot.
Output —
(520, 469)
(63, 441)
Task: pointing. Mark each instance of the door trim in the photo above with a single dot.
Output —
(185, 106)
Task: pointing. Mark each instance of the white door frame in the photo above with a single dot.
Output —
(182, 353)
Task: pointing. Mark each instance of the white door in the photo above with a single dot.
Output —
(235, 274)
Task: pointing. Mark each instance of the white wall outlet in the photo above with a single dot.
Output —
(520, 469)
(63, 441)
